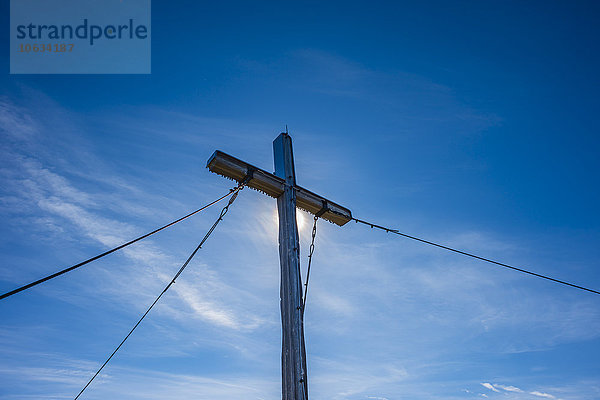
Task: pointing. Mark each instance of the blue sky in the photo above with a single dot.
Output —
(473, 124)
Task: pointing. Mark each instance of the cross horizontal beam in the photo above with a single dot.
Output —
(233, 168)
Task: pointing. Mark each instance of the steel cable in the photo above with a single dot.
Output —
(89, 260)
(185, 264)
(395, 231)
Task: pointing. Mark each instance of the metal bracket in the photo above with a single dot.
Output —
(249, 175)
(323, 209)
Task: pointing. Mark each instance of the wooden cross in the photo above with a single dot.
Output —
(282, 186)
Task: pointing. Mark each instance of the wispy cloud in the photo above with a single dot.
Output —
(132, 383)
(414, 98)
(509, 388)
(540, 394)
(489, 386)
(342, 380)
(513, 389)
(35, 187)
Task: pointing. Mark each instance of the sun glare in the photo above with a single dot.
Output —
(300, 220)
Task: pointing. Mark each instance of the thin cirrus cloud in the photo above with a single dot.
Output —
(71, 374)
(34, 188)
(489, 386)
(514, 389)
(413, 97)
(510, 388)
(544, 395)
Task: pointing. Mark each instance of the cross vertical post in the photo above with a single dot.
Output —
(293, 354)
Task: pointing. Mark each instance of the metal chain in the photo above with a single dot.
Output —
(310, 254)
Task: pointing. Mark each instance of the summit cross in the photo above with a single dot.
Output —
(282, 186)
